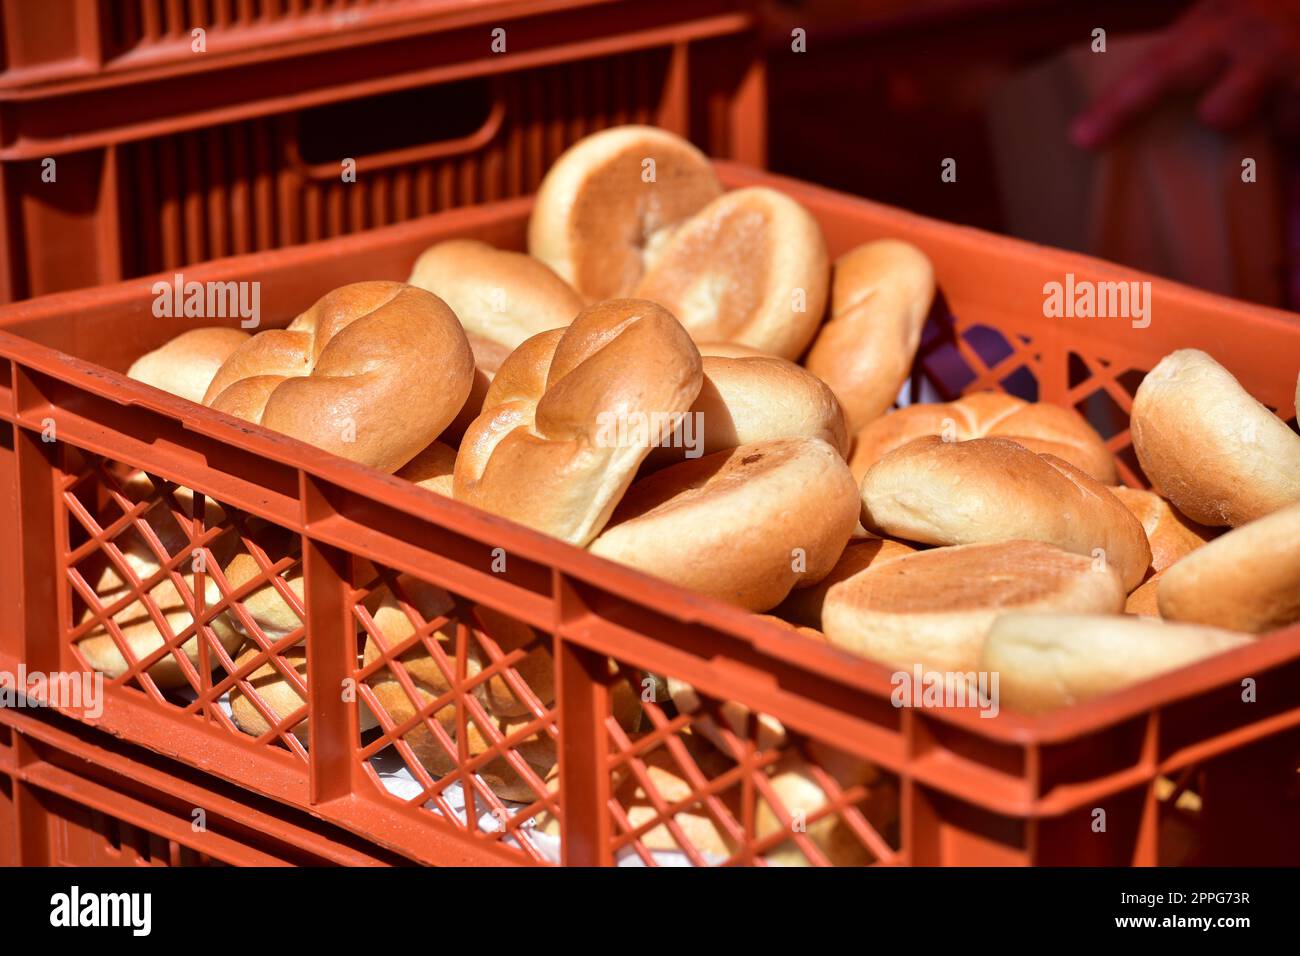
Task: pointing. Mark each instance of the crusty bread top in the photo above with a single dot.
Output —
(602, 205)
(804, 605)
(373, 371)
(1040, 427)
(185, 365)
(880, 297)
(1216, 453)
(501, 296)
(750, 267)
(993, 489)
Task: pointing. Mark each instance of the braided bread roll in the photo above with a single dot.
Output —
(1040, 427)
(880, 298)
(373, 372)
(610, 199)
(750, 267)
(546, 451)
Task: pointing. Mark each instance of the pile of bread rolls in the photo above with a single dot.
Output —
(986, 533)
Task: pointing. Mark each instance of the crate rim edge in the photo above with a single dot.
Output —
(1271, 650)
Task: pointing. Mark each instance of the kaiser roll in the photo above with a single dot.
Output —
(373, 371)
(1048, 661)
(992, 489)
(1218, 455)
(1247, 580)
(610, 200)
(1042, 428)
(804, 605)
(880, 296)
(185, 365)
(743, 525)
(750, 268)
(1171, 535)
(504, 297)
(550, 449)
(432, 469)
(935, 607)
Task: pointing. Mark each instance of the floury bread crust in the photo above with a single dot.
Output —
(1040, 427)
(541, 452)
(598, 216)
(1049, 661)
(934, 607)
(1216, 453)
(993, 489)
(727, 525)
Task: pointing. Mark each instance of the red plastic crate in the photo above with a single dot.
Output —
(948, 786)
(217, 156)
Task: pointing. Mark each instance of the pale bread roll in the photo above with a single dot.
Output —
(185, 365)
(1216, 453)
(1042, 428)
(1172, 536)
(372, 371)
(935, 607)
(432, 469)
(547, 452)
(804, 605)
(750, 267)
(994, 489)
(1246, 580)
(880, 297)
(504, 297)
(1049, 661)
(610, 200)
(747, 400)
(728, 524)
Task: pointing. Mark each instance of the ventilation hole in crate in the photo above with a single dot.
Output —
(457, 709)
(947, 370)
(1131, 380)
(1130, 469)
(1181, 810)
(692, 769)
(1022, 384)
(1103, 413)
(989, 344)
(1078, 371)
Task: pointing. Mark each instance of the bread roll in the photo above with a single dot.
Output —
(880, 297)
(504, 297)
(548, 450)
(610, 200)
(934, 608)
(746, 400)
(804, 605)
(730, 350)
(993, 489)
(432, 469)
(1142, 601)
(273, 689)
(1045, 429)
(1218, 455)
(1247, 580)
(185, 365)
(750, 267)
(1048, 661)
(373, 372)
(743, 525)
(1171, 535)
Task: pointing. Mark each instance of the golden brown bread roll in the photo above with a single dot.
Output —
(935, 607)
(610, 199)
(1049, 661)
(432, 469)
(1216, 453)
(1142, 601)
(1171, 535)
(503, 297)
(1246, 580)
(185, 365)
(273, 689)
(750, 267)
(743, 525)
(804, 605)
(548, 451)
(134, 621)
(993, 489)
(746, 400)
(1042, 428)
(373, 372)
(880, 296)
